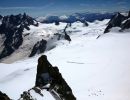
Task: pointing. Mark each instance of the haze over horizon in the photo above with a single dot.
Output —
(60, 7)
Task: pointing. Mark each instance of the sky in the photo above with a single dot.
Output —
(60, 7)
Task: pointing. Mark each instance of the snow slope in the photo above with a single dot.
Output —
(95, 69)
(30, 38)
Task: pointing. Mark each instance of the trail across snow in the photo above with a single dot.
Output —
(95, 69)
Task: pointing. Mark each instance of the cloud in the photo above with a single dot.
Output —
(4, 8)
(48, 5)
(84, 5)
(63, 17)
(121, 3)
(43, 7)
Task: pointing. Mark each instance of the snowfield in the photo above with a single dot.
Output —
(95, 69)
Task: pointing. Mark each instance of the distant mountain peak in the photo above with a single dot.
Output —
(75, 17)
(119, 20)
(13, 34)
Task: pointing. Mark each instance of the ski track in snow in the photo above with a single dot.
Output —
(14, 75)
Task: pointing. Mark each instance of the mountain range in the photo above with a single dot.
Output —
(24, 36)
(75, 17)
(94, 62)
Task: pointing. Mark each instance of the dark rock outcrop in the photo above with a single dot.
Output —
(67, 37)
(3, 96)
(1, 17)
(39, 47)
(26, 96)
(55, 84)
(118, 20)
(57, 23)
(60, 86)
(126, 24)
(47, 74)
(12, 27)
(85, 23)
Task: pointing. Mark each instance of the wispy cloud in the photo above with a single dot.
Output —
(121, 3)
(48, 5)
(16, 8)
(34, 7)
(84, 5)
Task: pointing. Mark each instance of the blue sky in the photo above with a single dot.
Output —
(59, 7)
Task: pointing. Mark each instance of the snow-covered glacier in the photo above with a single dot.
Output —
(95, 69)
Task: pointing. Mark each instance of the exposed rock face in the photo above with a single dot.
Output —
(39, 47)
(129, 14)
(3, 96)
(85, 23)
(57, 23)
(1, 17)
(12, 27)
(26, 96)
(126, 24)
(118, 20)
(60, 86)
(47, 74)
(66, 36)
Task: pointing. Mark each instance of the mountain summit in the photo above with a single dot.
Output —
(119, 20)
(11, 29)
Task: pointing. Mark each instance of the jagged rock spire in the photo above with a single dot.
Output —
(12, 27)
(118, 20)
